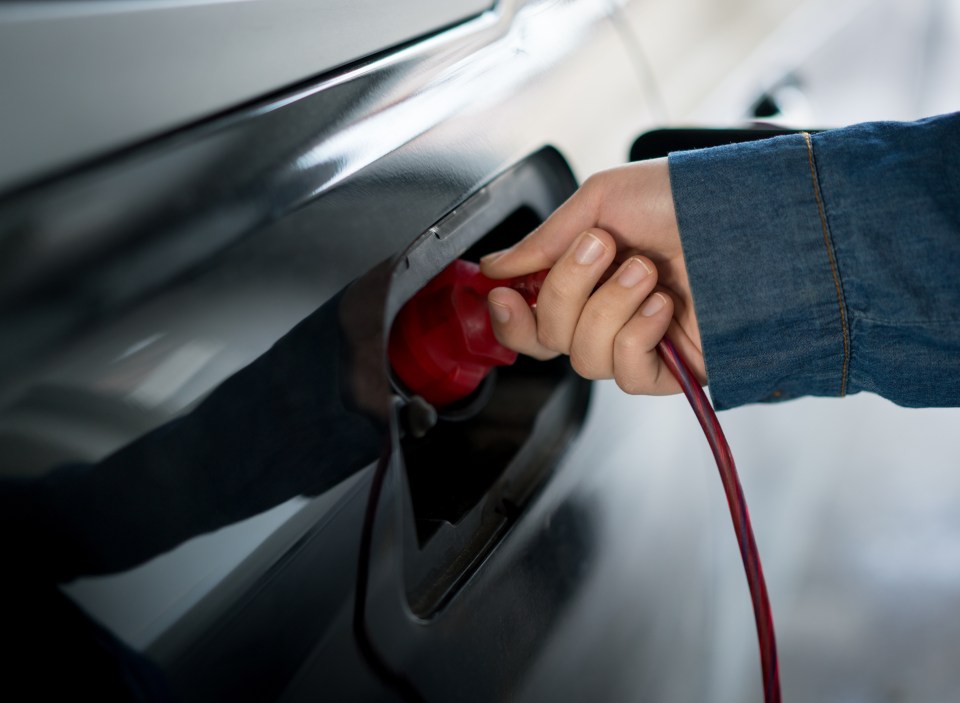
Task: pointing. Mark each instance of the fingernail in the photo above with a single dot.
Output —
(653, 305)
(493, 256)
(589, 249)
(499, 312)
(634, 271)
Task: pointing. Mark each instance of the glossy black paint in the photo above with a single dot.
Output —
(79, 78)
(88, 246)
(227, 234)
(418, 599)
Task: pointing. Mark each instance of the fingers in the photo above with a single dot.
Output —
(634, 203)
(637, 367)
(569, 285)
(515, 324)
(543, 247)
(612, 329)
(562, 298)
(611, 307)
(613, 340)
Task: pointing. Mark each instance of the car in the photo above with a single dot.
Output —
(183, 183)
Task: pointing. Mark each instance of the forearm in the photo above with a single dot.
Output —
(828, 264)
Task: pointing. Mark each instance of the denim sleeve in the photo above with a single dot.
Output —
(827, 264)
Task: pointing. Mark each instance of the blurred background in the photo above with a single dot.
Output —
(855, 502)
(827, 62)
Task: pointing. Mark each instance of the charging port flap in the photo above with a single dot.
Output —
(468, 478)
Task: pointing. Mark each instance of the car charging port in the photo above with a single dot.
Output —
(485, 429)
(454, 465)
(471, 475)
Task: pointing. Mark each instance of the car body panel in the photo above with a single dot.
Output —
(84, 78)
(144, 280)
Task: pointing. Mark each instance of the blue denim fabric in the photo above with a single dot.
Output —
(827, 264)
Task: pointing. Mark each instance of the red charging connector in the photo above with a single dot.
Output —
(442, 344)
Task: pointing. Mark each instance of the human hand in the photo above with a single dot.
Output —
(618, 230)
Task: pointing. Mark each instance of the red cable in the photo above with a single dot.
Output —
(462, 344)
(762, 612)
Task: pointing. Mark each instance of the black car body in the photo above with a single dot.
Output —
(138, 279)
(182, 183)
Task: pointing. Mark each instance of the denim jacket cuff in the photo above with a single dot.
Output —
(763, 274)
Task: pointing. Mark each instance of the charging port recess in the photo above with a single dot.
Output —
(469, 479)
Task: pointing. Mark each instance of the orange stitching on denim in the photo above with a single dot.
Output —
(828, 243)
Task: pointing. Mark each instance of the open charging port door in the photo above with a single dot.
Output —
(467, 479)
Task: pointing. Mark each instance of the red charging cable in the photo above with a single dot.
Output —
(762, 613)
(442, 346)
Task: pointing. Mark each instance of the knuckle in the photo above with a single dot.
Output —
(601, 314)
(557, 294)
(536, 242)
(629, 342)
(594, 181)
(549, 341)
(630, 384)
(590, 184)
(584, 366)
(592, 190)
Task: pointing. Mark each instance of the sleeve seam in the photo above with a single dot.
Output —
(831, 255)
